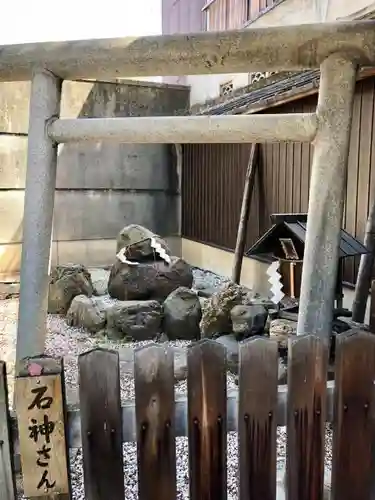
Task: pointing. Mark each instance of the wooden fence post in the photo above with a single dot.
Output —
(354, 416)
(154, 403)
(41, 416)
(101, 424)
(7, 478)
(207, 418)
(307, 380)
(372, 308)
(257, 419)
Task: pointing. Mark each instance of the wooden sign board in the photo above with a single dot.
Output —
(40, 415)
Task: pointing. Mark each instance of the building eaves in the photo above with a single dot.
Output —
(268, 95)
(275, 93)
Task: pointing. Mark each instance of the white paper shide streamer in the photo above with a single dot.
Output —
(157, 247)
(274, 280)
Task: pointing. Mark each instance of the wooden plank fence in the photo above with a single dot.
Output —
(46, 429)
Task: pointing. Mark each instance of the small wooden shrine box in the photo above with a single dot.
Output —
(285, 241)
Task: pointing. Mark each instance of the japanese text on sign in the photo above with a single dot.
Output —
(42, 430)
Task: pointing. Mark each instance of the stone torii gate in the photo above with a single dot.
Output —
(339, 49)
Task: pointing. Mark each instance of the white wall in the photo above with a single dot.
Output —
(288, 12)
(253, 273)
(26, 21)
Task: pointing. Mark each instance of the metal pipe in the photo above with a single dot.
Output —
(38, 213)
(187, 129)
(288, 48)
(330, 161)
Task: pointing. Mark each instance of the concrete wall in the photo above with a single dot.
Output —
(253, 271)
(286, 12)
(100, 186)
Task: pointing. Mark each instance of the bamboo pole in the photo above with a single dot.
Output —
(245, 210)
(365, 270)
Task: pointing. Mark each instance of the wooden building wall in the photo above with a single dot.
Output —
(213, 178)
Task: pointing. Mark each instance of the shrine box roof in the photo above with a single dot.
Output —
(293, 226)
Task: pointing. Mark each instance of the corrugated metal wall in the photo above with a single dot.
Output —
(232, 14)
(181, 16)
(237, 12)
(218, 15)
(213, 177)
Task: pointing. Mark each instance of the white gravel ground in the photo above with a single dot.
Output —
(69, 342)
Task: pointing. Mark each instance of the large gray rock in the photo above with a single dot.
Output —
(232, 353)
(99, 278)
(66, 282)
(232, 348)
(281, 330)
(137, 240)
(138, 320)
(262, 301)
(248, 321)
(216, 310)
(182, 314)
(152, 280)
(87, 312)
(206, 292)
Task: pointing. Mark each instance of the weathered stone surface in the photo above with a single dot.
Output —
(262, 301)
(282, 372)
(216, 311)
(202, 301)
(138, 239)
(248, 320)
(153, 280)
(180, 364)
(232, 347)
(99, 278)
(281, 330)
(139, 320)
(87, 312)
(66, 282)
(182, 314)
(206, 292)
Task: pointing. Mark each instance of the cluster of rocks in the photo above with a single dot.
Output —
(138, 298)
(148, 294)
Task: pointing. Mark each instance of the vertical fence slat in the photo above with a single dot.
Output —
(7, 481)
(354, 417)
(154, 399)
(307, 381)
(257, 419)
(101, 424)
(372, 307)
(207, 415)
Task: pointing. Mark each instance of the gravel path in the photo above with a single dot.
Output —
(69, 342)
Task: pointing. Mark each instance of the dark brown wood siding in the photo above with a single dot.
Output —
(213, 178)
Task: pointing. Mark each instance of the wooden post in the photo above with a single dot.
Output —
(41, 415)
(7, 478)
(365, 270)
(372, 308)
(244, 217)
